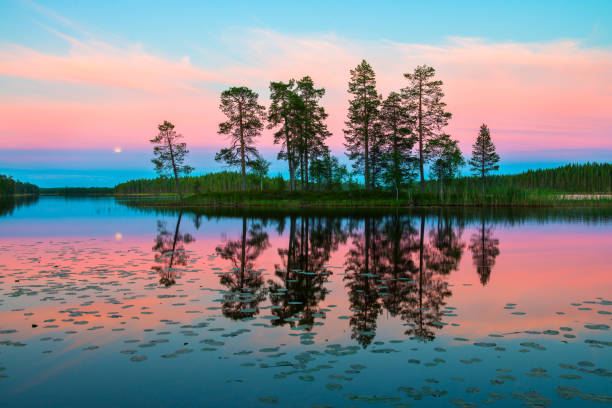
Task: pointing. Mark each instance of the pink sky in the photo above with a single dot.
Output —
(97, 95)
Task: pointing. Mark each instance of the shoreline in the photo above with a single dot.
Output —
(187, 203)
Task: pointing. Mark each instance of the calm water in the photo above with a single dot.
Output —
(106, 305)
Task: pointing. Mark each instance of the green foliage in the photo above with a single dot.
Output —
(169, 154)
(211, 182)
(244, 123)
(484, 158)
(260, 168)
(587, 178)
(447, 159)
(77, 191)
(9, 187)
(361, 133)
(295, 107)
(328, 173)
(399, 163)
(423, 96)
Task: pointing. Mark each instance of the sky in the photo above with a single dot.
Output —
(83, 85)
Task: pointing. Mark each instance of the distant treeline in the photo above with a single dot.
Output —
(9, 187)
(572, 178)
(211, 182)
(77, 191)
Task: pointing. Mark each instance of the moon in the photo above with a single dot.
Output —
(117, 149)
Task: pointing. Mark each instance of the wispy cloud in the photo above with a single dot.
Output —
(537, 95)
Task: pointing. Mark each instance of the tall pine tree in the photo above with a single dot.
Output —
(362, 116)
(424, 97)
(312, 130)
(484, 158)
(398, 140)
(244, 123)
(283, 112)
(169, 154)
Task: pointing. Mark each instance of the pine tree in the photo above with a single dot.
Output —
(362, 114)
(424, 97)
(169, 154)
(398, 141)
(244, 123)
(484, 158)
(260, 168)
(283, 111)
(447, 159)
(312, 131)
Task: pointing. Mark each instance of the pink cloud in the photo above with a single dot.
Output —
(532, 96)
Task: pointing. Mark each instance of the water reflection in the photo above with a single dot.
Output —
(170, 251)
(9, 204)
(485, 248)
(302, 271)
(395, 264)
(244, 283)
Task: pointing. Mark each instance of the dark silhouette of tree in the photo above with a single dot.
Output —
(169, 154)
(303, 272)
(286, 109)
(484, 158)
(396, 123)
(436, 258)
(260, 168)
(170, 251)
(447, 160)
(485, 249)
(423, 96)
(400, 239)
(362, 118)
(244, 123)
(245, 285)
(362, 275)
(312, 131)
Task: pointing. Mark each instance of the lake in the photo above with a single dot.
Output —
(105, 304)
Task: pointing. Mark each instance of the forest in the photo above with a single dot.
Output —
(397, 146)
(572, 178)
(10, 187)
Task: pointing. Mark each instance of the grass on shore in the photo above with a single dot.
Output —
(361, 198)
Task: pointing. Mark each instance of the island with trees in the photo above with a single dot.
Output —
(399, 151)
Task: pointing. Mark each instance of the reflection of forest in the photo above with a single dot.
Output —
(302, 272)
(394, 263)
(393, 266)
(8, 204)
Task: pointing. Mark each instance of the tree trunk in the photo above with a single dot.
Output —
(483, 181)
(176, 178)
(242, 158)
(421, 137)
(291, 173)
(290, 159)
(366, 157)
(306, 165)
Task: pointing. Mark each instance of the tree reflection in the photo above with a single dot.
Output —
(485, 249)
(437, 257)
(245, 284)
(170, 251)
(302, 271)
(363, 264)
